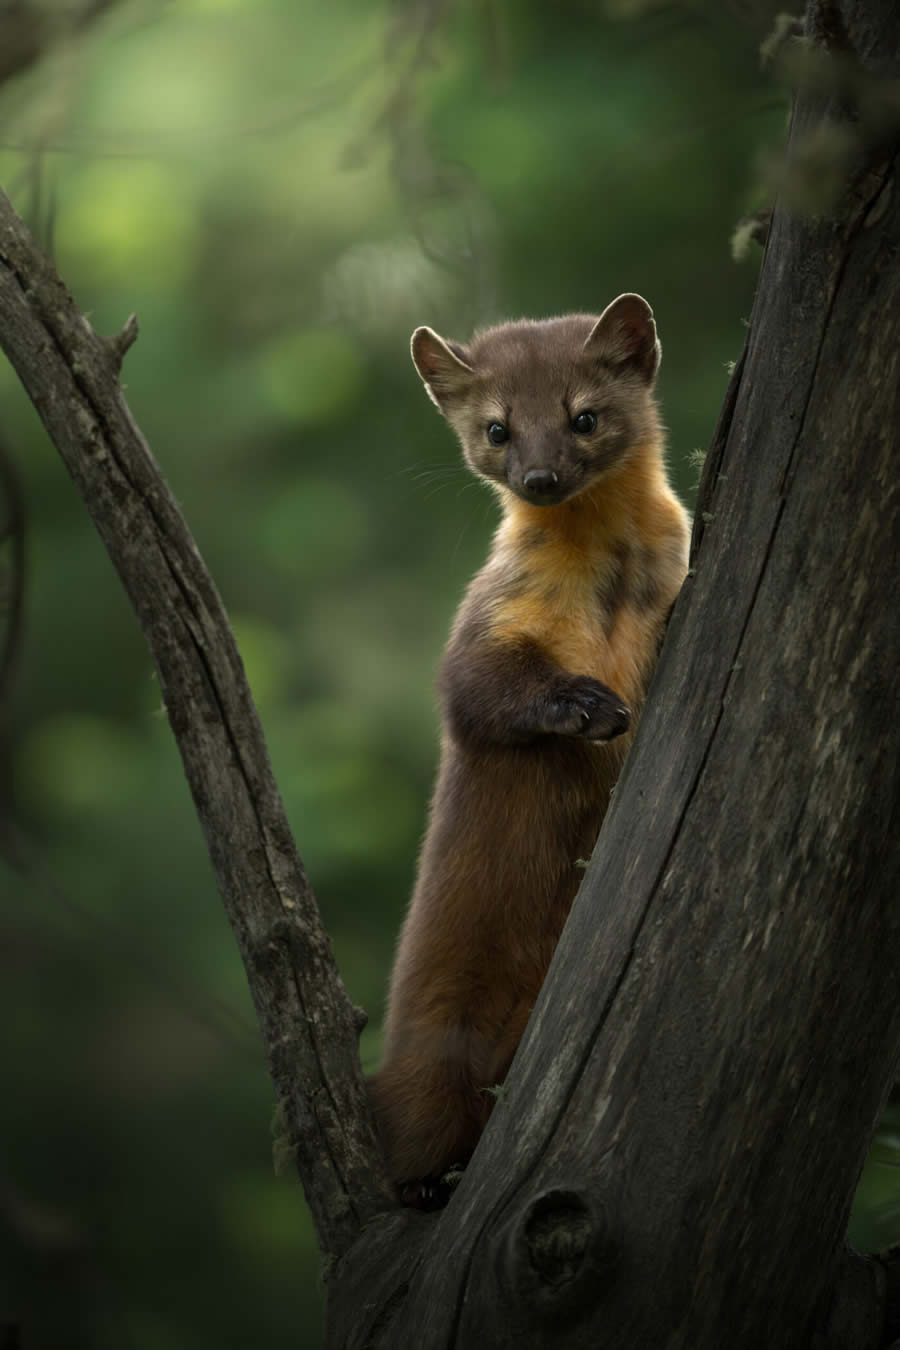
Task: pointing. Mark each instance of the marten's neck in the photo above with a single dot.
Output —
(622, 503)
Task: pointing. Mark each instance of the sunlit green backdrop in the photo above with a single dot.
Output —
(282, 190)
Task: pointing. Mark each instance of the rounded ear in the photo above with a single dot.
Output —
(443, 367)
(625, 335)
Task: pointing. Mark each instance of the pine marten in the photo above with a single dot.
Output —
(541, 686)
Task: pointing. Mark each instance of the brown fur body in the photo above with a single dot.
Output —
(557, 632)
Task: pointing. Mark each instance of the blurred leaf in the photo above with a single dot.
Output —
(79, 764)
(127, 216)
(313, 376)
(264, 1216)
(314, 522)
(267, 660)
(875, 1219)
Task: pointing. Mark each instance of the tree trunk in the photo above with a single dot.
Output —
(674, 1157)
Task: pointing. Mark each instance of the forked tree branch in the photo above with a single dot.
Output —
(673, 1157)
(310, 1028)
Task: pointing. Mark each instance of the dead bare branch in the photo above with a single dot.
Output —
(309, 1026)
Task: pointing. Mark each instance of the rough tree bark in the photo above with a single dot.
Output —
(674, 1157)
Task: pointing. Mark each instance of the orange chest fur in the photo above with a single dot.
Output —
(581, 608)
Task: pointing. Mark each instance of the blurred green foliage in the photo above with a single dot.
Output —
(282, 191)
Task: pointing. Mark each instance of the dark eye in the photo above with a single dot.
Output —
(498, 434)
(584, 423)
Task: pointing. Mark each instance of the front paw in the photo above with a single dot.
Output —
(581, 706)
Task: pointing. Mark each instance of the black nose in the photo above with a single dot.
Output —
(540, 481)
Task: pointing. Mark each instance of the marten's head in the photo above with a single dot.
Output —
(544, 407)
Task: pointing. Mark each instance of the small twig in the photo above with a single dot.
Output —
(125, 338)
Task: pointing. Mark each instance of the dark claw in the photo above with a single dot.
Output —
(582, 706)
(431, 1193)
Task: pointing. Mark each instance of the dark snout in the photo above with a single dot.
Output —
(540, 482)
(537, 482)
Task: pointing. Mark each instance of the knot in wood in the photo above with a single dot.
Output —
(559, 1252)
(556, 1239)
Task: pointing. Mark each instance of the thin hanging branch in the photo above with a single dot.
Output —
(309, 1026)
